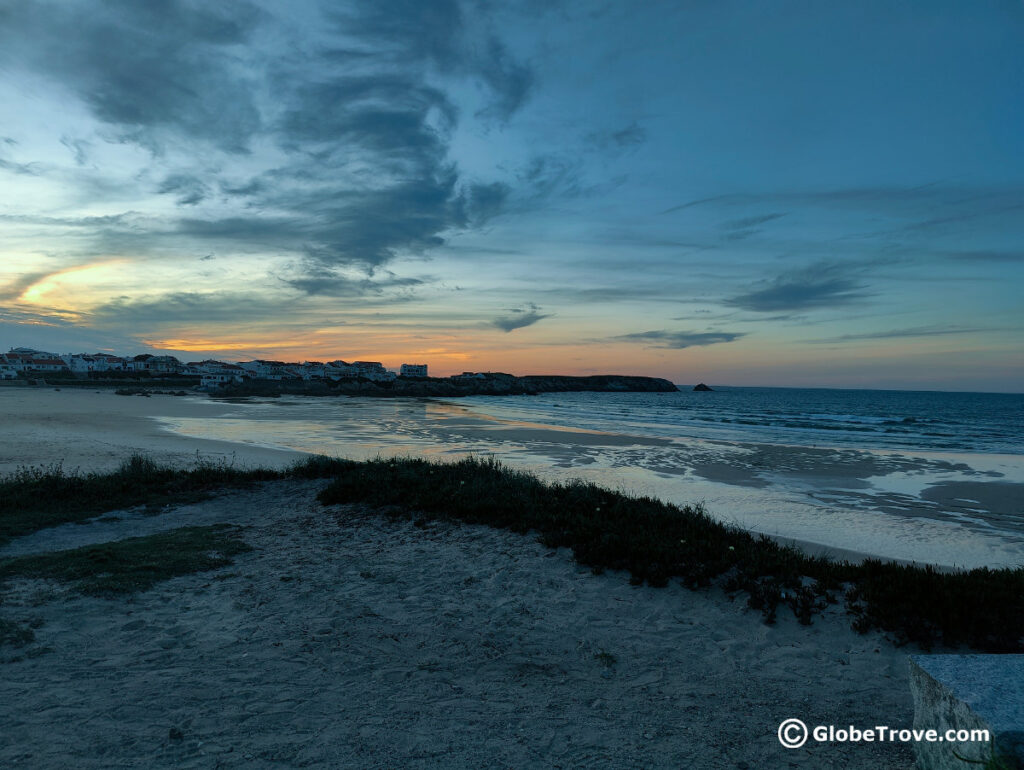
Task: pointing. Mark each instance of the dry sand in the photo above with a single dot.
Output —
(97, 430)
(347, 639)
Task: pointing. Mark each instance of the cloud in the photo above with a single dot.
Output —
(800, 294)
(918, 331)
(143, 68)
(335, 154)
(633, 134)
(189, 189)
(192, 308)
(824, 284)
(79, 149)
(681, 339)
(407, 30)
(510, 82)
(328, 283)
(438, 33)
(487, 201)
(523, 316)
(22, 283)
(987, 256)
(746, 223)
(21, 169)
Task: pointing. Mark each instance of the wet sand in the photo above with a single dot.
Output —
(948, 510)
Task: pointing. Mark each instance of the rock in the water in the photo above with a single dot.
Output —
(701, 387)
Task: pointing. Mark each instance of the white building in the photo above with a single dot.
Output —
(218, 379)
(340, 370)
(29, 360)
(46, 365)
(164, 364)
(95, 362)
(262, 369)
(413, 370)
(373, 370)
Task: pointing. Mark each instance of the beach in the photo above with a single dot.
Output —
(952, 509)
(348, 639)
(96, 430)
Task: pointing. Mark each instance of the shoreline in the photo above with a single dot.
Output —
(96, 431)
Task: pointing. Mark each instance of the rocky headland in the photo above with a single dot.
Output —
(490, 384)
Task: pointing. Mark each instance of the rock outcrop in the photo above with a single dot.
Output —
(490, 384)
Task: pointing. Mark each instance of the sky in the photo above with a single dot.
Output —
(762, 192)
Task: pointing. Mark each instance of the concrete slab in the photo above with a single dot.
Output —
(969, 692)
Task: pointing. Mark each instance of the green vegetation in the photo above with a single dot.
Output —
(136, 564)
(656, 542)
(36, 498)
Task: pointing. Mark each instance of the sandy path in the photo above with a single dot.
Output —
(351, 640)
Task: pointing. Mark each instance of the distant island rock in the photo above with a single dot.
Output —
(486, 384)
(701, 387)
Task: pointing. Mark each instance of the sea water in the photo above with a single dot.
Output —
(921, 476)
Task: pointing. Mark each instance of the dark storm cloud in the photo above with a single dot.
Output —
(143, 67)
(519, 318)
(679, 340)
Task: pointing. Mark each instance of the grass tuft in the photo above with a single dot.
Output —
(654, 542)
(136, 564)
(32, 499)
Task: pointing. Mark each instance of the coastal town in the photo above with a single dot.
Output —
(28, 362)
(144, 372)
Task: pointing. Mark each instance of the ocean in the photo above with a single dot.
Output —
(869, 419)
(919, 476)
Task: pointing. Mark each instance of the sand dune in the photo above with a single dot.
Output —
(347, 639)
